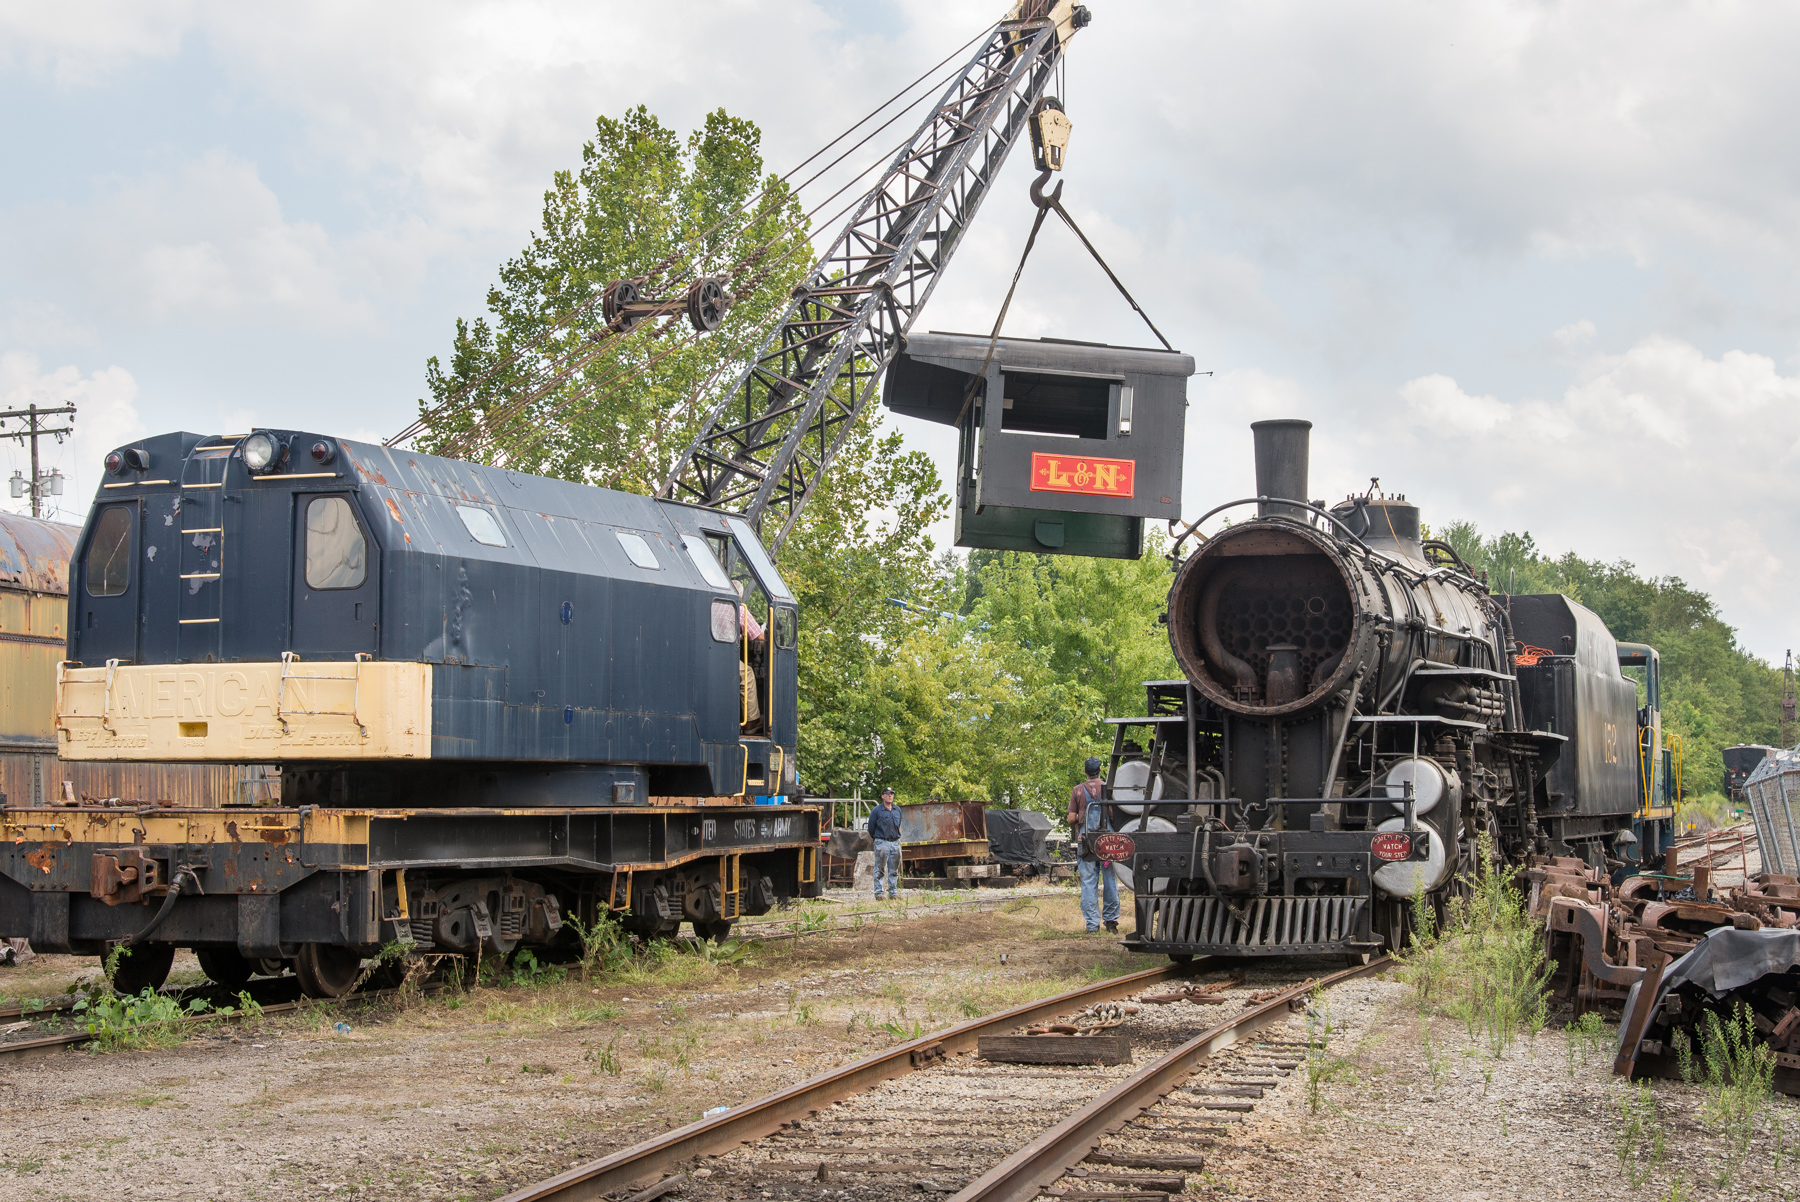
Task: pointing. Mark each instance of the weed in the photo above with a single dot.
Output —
(536, 1069)
(807, 1016)
(603, 944)
(606, 1059)
(528, 973)
(1684, 1056)
(1740, 1070)
(970, 1008)
(1639, 1142)
(657, 1081)
(720, 954)
(146, 1019)
(1485, 963)
(1584, 1038)
(599, 1012)
(903, 1032)
(1677, 1191)
(859, 1018)
(1435, 1060)
(1018, 905)
(1321, 1065)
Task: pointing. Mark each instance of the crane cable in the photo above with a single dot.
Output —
(1045, 206)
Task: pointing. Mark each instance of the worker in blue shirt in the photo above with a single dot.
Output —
(884, 828)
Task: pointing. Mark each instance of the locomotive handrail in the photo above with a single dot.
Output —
(1194, 526)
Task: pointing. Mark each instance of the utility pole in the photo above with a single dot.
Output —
(40, 485)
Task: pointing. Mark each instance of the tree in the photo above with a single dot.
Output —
(644, 205)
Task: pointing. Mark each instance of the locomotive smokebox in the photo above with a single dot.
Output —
(1270, 617)
(1281, 454)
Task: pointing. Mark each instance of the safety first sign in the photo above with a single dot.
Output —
(1083, 474)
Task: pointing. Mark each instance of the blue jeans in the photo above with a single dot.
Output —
(1092, 873)
(887, 861)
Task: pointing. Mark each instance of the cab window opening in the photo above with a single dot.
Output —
(336, 555)
(109, 554)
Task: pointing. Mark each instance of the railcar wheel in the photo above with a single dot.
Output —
(224, 966)
(718, 931)
(326, 970)
(145, 966)
(1182, 957)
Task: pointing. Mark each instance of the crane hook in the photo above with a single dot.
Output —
(1054, 200)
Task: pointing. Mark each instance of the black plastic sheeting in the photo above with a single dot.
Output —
(1017, 836)
(1726, 959)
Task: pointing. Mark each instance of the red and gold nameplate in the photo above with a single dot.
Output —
(1083, 474)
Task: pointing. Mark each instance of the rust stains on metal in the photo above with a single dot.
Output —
(274, 838)
(368, 473)
(394, 508)
(34, 555)
(43, 857)
(232, 830)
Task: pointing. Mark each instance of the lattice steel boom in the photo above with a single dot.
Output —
(769, 441)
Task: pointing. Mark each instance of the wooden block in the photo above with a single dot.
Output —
(1000, 882)
(1225, 1091)
(1172, 1183)
(1111, 1195)
(969, 872)
(1141, 1160)
(1785, 1028)
(1111, 1047)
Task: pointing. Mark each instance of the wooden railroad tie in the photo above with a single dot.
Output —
(1108, 1047)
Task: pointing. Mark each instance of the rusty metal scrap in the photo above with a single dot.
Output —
(1210, 994)
(1614, 945)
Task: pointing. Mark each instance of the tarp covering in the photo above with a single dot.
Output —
(1017, 836)
(1724, 960)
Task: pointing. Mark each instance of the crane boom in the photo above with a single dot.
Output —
(769, 441)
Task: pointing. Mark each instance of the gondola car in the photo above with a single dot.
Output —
(495, 699)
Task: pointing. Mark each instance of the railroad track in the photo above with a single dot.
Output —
(276, 994)
(929, 1116)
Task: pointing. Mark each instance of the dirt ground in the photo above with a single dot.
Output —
(1415, 1110)
(471, 1095)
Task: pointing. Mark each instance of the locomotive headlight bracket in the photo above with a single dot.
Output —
(263, 452)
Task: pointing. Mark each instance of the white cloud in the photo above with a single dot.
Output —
(106, 417)
(1680, 462)
(1441, 405)
(1575, 334)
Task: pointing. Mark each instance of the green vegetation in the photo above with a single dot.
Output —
(1714, 692)
(1484, 964)
(1740, 1074)
(140, 1020)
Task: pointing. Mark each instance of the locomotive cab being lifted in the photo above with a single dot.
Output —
(1062, 447)
(495, 699)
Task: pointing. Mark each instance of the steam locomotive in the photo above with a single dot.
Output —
(496, 700)
(1357, 713)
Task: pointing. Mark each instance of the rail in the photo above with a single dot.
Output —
(1020, 1175)
(767, 1115)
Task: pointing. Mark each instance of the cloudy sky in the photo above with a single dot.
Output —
(1533, 264)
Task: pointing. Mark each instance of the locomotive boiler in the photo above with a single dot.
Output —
(496, 700)
(1357, 712)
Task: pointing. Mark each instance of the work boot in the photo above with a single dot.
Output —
(1112, 928)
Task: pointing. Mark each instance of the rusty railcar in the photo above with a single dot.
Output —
(34, 603)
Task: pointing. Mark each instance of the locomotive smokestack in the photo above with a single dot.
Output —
(1281, 448)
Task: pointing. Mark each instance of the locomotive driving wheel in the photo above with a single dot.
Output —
(326, 970)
